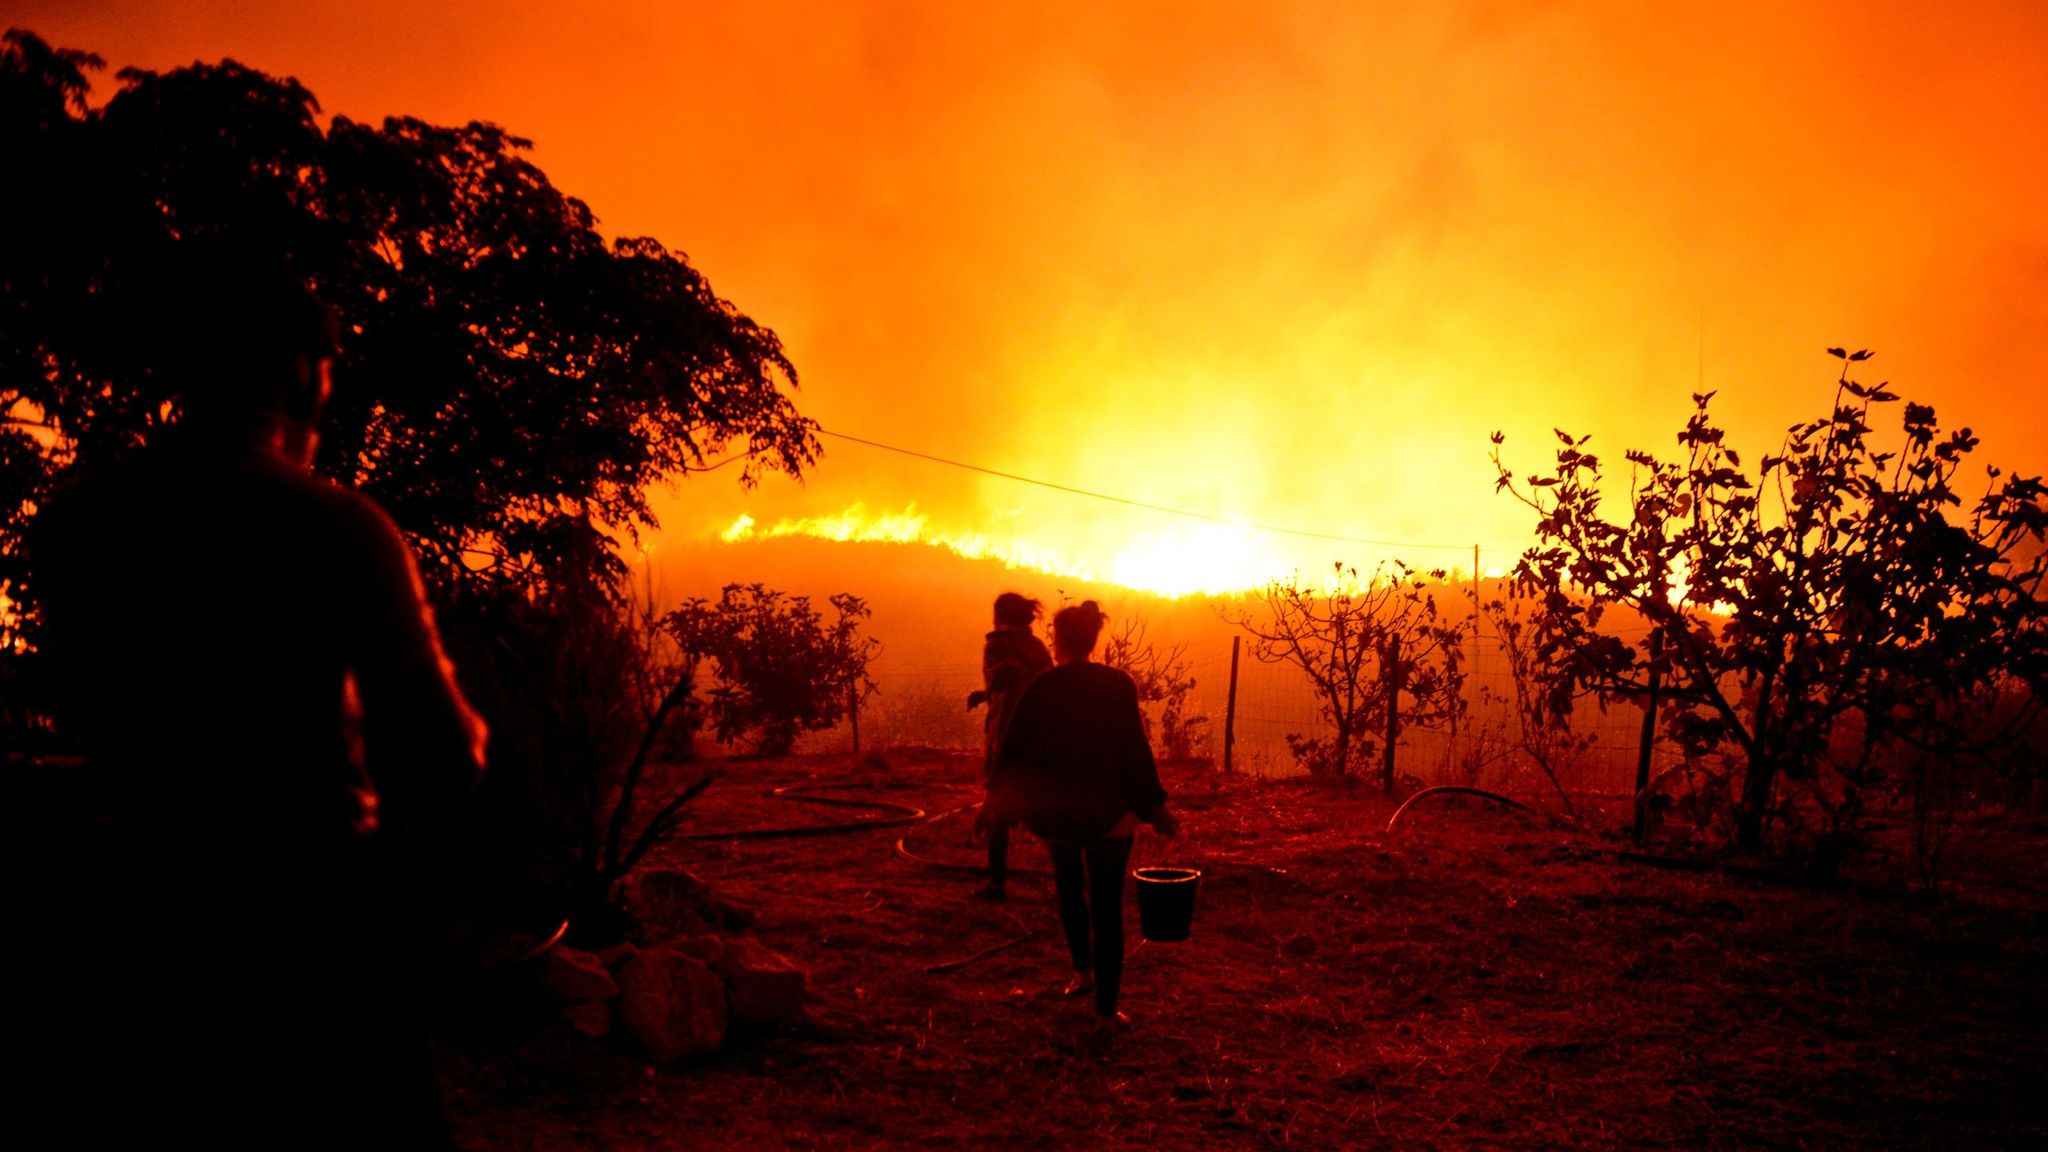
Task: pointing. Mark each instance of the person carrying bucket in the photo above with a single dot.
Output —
(1011, 657)
(1075, 768)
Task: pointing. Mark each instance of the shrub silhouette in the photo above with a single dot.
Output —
(1375, 651)
(781, 669)
(1803, 618)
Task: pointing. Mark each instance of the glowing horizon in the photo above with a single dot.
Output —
(1172, 562)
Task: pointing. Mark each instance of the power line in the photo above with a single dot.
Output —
(1130, 503)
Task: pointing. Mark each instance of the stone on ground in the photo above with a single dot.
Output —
(672, 1003)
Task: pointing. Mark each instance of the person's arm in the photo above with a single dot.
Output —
(423, 745)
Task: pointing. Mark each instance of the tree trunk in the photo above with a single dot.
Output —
(853, 712)
(1757, 783)
(1648, 741)
(1393, 676)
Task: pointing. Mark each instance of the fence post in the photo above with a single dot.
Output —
(1230, 708)
(853, 711)
(1472, 674)
(1649, 739)
(1392, 660)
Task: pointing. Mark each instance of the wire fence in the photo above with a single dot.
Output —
(924, 704)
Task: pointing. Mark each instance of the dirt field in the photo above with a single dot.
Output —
(1474, 979)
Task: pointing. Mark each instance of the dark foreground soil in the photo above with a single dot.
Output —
(1473, 979)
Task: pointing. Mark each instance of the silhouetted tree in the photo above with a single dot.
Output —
(1803, 620)
(781, 668)
(1377, 654)
(509, 383)
(1163, 679)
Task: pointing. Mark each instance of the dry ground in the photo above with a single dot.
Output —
(1474, 979)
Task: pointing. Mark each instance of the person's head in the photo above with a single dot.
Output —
(1017, 611)
(1075, 629)
(251, 351)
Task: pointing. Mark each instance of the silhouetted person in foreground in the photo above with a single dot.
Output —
(275, 736)
(1011, 657)
(1076, 769)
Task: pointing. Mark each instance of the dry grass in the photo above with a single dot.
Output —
(1474, 980)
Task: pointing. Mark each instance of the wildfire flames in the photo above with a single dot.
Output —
(1179, 560)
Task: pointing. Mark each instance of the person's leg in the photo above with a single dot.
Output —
(1108, 859)
(1070, 881)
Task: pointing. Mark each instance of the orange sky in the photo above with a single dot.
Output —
(1290, 263)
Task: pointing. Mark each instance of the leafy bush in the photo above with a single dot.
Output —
(780, 668)
(1803, 619)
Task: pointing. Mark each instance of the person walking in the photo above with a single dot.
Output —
(1076, 769)
(1011, 658)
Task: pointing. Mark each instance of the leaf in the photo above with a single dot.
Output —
(1838, 353)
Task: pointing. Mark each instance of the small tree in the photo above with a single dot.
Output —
(1365, 645)
(1801, 620)
(1542, 694)
(1164, 680)
(781, 669)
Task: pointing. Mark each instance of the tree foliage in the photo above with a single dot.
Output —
(781, 669)
(1804, 617)
(1164, 680)
(1377, 654)
(510, 384)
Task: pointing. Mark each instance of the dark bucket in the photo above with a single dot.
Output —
(1166, 902)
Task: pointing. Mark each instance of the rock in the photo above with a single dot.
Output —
(570, 974)
(761, 986)
(593, 1018)
(765, 988)
(672, 1003)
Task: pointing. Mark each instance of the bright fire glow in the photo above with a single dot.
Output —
(1204, 558)
(1175, 561)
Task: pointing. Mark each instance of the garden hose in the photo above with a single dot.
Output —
(903, 850)
(903, 814)
(1453, 789)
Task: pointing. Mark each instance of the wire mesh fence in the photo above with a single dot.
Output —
(924, 704)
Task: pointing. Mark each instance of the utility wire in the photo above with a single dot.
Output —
(1130, 503)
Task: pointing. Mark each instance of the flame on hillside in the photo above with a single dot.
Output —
(1181, 560)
